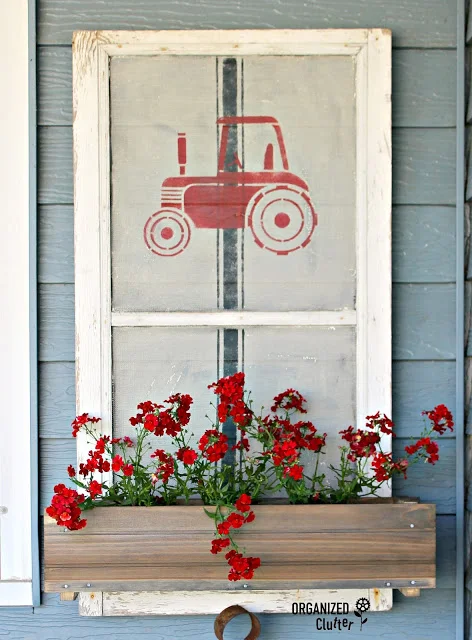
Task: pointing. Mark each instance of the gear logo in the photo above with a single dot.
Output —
(362, 606)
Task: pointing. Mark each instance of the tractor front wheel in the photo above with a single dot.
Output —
(281, 218)
(167, 232)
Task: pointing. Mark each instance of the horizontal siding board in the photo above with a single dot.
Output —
(423, 244)
(424, 322)
(423, 92)
(424, 163)
(423, 88)
(56, 244)
(414, 23)
(55, 456)
(423, 166)
(410, 618)
(55, 175)
(56, 399)
(56, 322)
(54, 79)
(430, 483)
(417, 387)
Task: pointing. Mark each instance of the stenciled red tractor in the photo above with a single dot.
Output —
(274, 204)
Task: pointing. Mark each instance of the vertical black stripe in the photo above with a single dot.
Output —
(230, 242)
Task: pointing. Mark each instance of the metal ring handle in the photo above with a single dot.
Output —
(228, 614)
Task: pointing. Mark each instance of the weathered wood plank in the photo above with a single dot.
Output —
(56, 322)
(175, 520)
(146, 603)
(417, 387)
(430, 616)
(56, 399)
(270, 577)
(423, 244)
(55, 165)
(423, 87)
(424, 322)
(430, 483)
(56, 244)
(413, 23)
(424, 166)
(136, 548)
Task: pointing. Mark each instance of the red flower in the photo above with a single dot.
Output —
(230, 391)
(284, 452)
(65, 509)
(384, 466)
(361, 443)
(235, 520)
(241, 567)
(150, 422)
(243, 503)
(71, 471)
(426, 448)
(243, 444)
(223, 528)
(295, 472)
(165, 469)
(128, 469)
(79, 422)
(219, 544)
(383, 423)
(117, 463)
(143, 409)
(250, 517)
(187, 456)
(128, 442)
(181, 407)
(441, 418)
(213, 445)
(290, 399)
(95, 489)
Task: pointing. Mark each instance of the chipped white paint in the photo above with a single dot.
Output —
(91, 603)
(162, 603)
(15, 302)
(370, 50)
(234, 319)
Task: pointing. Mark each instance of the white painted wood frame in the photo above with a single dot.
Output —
(92, 51)
(16, 368)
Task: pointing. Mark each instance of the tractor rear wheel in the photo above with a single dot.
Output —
(167, 232)
(281, 218)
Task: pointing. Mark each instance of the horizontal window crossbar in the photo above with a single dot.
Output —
(235, 319)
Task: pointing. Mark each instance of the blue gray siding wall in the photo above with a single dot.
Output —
(468, 330)
(424, 143)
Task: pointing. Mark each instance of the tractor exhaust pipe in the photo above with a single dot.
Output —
(182, 152)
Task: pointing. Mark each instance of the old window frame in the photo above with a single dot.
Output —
(92, 51)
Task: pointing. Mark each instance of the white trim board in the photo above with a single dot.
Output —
(15, 322)
(92, 50)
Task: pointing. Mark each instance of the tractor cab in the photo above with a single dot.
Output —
(251, 144)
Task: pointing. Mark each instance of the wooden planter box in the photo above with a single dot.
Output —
(300, 546)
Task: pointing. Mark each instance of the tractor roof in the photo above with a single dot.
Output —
(247, 120)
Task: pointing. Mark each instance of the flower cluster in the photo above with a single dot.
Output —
(65, 509)
(241, 567)
(274, 452)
